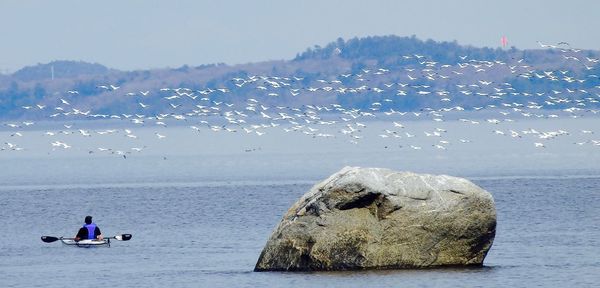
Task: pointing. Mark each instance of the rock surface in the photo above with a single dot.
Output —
(371, 218)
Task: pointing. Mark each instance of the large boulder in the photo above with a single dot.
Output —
(371, 218)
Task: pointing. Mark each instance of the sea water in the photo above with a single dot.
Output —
(201, 210)
(210, 235)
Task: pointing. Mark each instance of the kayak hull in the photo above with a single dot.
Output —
(88, 243)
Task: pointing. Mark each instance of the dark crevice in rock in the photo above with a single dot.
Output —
(422, 198)
(359, 202)
(316, 208)
(305, 258)
(485, 240)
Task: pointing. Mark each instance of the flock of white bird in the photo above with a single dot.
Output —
(204, 114)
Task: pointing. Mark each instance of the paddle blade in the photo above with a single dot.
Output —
(49, 239)
(123, 237)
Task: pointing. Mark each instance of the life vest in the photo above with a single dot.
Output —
(91, 230)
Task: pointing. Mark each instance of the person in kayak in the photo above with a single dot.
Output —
(89, 231)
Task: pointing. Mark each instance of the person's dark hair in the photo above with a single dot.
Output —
(88, 219)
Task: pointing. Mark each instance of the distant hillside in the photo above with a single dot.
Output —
(389, 48)
(398, 73)
(59, 69)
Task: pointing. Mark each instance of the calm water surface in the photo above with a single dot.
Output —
(200, 208)
(210, 235)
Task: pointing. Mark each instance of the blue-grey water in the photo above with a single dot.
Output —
(201, 210)
(197, 235)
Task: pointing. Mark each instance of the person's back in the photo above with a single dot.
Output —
(89, 231)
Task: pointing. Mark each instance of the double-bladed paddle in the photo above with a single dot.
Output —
(122, 237)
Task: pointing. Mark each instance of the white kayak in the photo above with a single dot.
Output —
(87, 243)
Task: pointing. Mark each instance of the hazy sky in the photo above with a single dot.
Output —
(152, 34)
